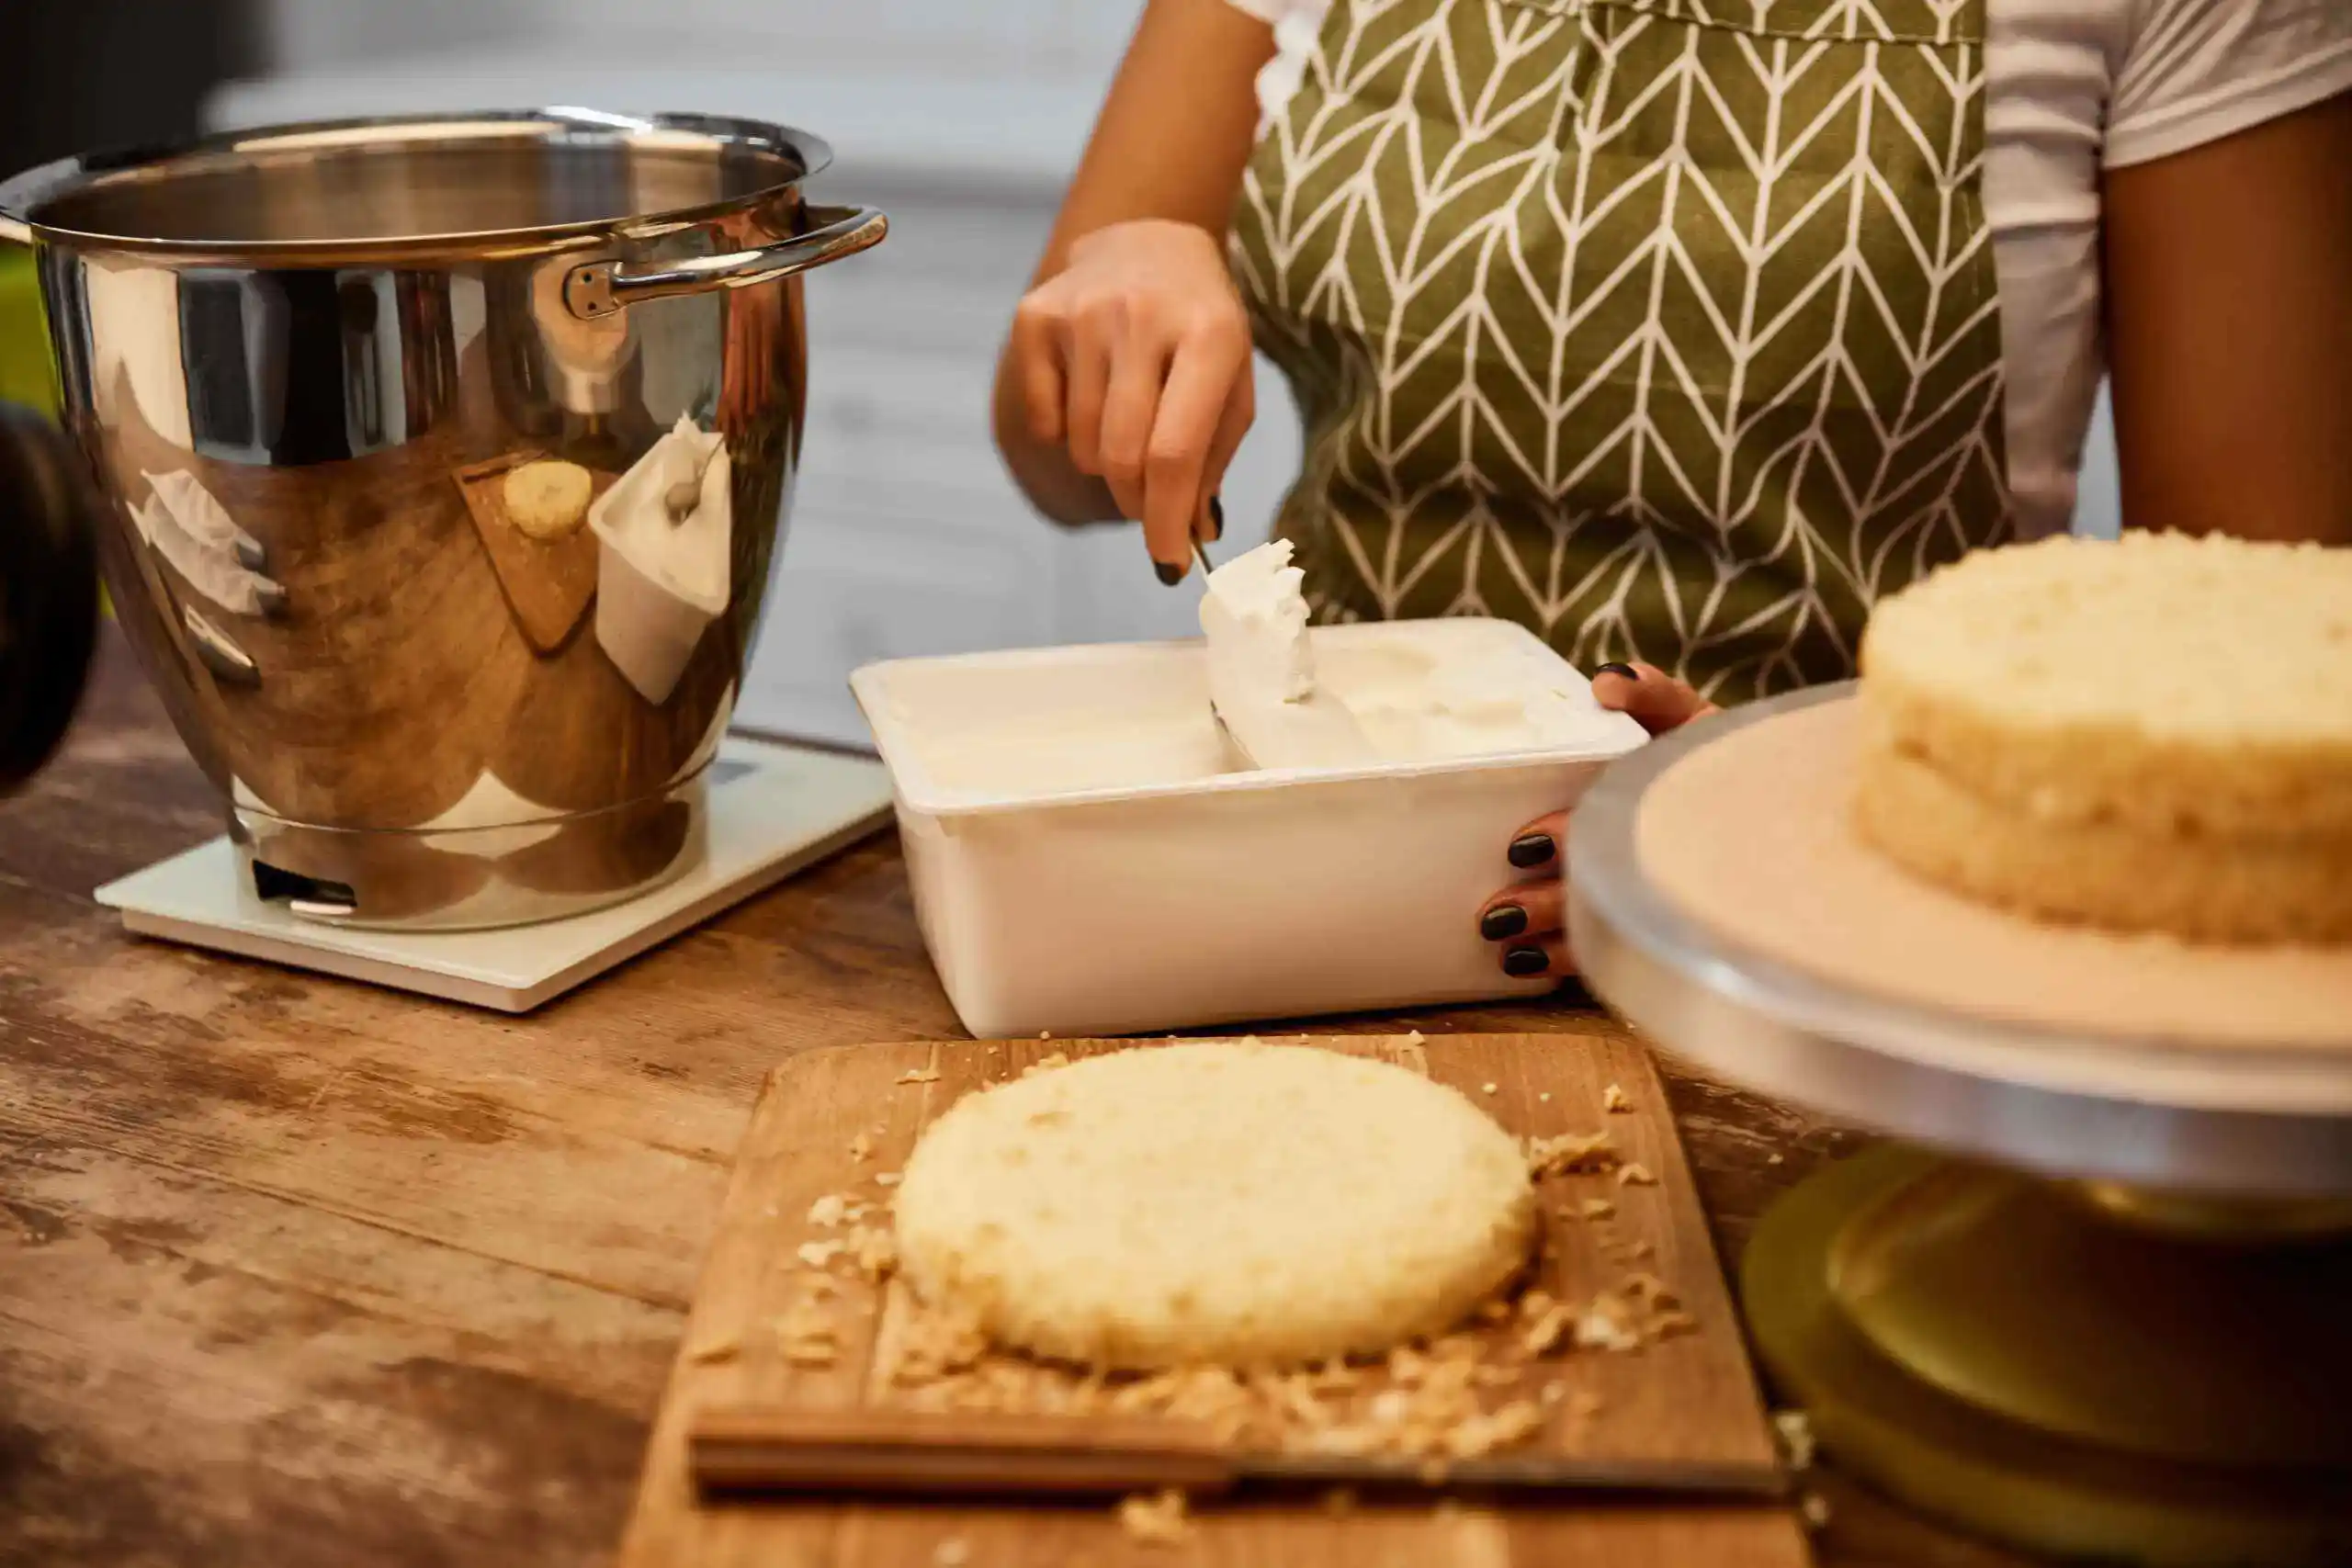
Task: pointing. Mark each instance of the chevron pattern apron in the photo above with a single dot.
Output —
(1667, 328)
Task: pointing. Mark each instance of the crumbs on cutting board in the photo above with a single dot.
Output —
(1156, 1519)
(1437, 1401)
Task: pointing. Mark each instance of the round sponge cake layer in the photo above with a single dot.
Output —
(2181, 685)
(2104, 874)
(1244, 1204)
(2153, 734)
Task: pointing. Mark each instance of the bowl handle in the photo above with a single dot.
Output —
(600, 289)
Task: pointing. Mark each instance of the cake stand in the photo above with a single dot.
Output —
(2095, 1298)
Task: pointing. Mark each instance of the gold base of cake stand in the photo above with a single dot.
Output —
(2040, 1363)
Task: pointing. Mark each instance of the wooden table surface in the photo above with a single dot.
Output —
(297, 1272)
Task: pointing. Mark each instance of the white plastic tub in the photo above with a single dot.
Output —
(1081, 865)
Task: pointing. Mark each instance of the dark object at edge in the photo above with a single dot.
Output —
(48, 591)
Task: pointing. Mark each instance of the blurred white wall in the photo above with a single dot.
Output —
(1015, 38)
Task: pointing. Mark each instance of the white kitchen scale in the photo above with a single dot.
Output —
(772, 810)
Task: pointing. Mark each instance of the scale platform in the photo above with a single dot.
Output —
(2091, 1304)
(773, 810)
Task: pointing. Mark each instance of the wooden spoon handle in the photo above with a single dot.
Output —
(753, 1448)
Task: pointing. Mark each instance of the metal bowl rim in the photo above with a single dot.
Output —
(22, 195)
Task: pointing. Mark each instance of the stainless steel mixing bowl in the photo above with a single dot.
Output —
(301, 361)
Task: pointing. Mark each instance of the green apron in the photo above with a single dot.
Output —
(1667, 328)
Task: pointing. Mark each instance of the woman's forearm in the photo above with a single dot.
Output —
(2230, 326)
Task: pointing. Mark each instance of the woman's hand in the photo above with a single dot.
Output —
(1135, 359)
(1528, 921)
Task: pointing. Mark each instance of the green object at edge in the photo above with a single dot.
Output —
(26, 374)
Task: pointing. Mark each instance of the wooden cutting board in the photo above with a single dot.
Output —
(831, 1122)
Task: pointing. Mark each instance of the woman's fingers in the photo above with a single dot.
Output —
(1655, 699)
(1538, 958)
(1542, 845)
(1525, 920)
(1233, 423)
(1085, 372)
(1139, 367)
(1038, 343)
(1531, 909)
(1183, 435)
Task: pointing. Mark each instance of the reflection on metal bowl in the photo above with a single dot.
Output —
(478, 878)
(290, 356)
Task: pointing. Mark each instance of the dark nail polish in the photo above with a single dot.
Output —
(1502, 921)
(1217, 517)
(1169, 573)
(1533, 850)
(1613, 668)
(1525, 963)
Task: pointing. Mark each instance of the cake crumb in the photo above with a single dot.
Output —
(1597, 1208)
(1774, 1158)
(860, 1148)
(1815, 1508)
(1606, 1325)
(1155, 1521)
(920, 1075)
(1481, 1435)
(1545, 1334)
(1487, 1087)
(885, 1179)
(720, 1349)
(1670, 1324)
(1613, 1100)
(820, 1254)
(1794, 1428)
(1651, 1292)
(875, 1250)
(953, 1552)
(829, 1210)
(1569, 1151)
(1545, 1097)
(1634, 1173)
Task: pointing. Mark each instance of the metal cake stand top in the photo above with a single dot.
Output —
(2164, 1114)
